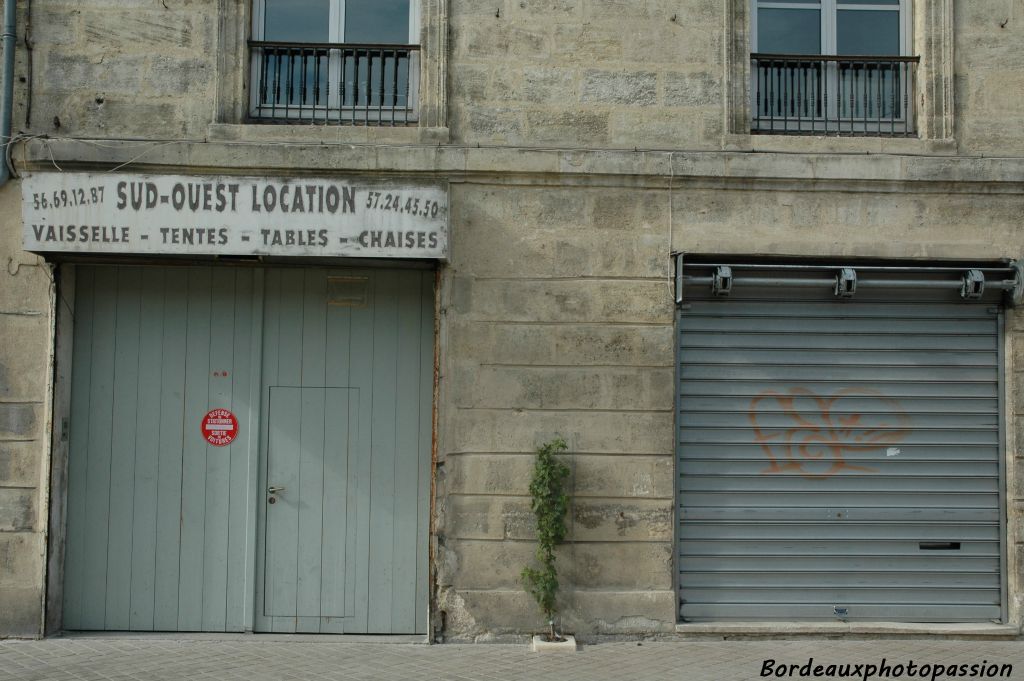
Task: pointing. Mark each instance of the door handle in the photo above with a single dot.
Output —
(274, 490)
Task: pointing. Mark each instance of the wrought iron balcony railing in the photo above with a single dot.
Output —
(833, 95)
(334, 83)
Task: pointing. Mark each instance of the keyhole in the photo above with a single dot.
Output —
(272, 500)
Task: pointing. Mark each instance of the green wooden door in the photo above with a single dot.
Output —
(347, 386)
(157, 537)
(329, 375)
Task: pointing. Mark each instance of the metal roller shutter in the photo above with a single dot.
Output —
(839, 458)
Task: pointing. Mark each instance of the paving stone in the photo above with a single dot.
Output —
(255, 658)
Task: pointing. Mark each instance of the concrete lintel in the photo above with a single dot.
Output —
(785, 629)
(959, 173)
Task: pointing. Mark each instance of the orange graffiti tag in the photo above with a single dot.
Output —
(804, 433)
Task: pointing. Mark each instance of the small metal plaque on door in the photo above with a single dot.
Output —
(348, 291)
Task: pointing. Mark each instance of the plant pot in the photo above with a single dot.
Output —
(542, 645)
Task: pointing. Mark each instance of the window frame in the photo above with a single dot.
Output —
(932, 43)
(336, 113)
(904, 125)
(337, 29)
(829, 21)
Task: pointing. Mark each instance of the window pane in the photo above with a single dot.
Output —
(377, 21)
(868, 32)
(789, 31)
(297, 21)
(869, 2)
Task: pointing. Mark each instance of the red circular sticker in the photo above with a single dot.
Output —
(220, 427)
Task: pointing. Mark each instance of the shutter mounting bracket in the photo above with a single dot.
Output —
(721, 284)
(846, 283)
(974, 285)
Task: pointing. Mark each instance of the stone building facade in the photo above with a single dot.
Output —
(582, 145)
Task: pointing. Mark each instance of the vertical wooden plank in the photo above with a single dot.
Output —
(357, 526)
(284, 462)
(383, 462)
(282, 517)
(361, 359)
(122, 449)
(336, 525)
(244, 451)
(406, 472)
(193, 487)
(269, 377)
(314, 329)
(425, 453)
(97, 503)
(147, 447)
(289, 357)
(311, 460)
(338, 575)
(170, 449)
(218, 459)
(339, 328)
(310, 490)
(78, 450)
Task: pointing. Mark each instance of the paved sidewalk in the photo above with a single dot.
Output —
(250, 658)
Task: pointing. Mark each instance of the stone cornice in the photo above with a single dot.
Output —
(824, 171)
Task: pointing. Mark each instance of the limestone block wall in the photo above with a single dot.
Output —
(25, 342)
(989, 68)
(587, 73)
(649, 74)
(122, 68)
(897, 224)
(558, 320)
(652, 74)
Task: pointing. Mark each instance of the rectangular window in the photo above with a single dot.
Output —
(832, 67)
(352, 62)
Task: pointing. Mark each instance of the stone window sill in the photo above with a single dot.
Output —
(808, 144)
(325, 134)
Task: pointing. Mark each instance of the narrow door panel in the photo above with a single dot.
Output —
(312, 431)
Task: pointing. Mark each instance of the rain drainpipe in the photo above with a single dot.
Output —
(7, 87)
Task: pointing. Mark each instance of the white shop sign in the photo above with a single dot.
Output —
(205, 215)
